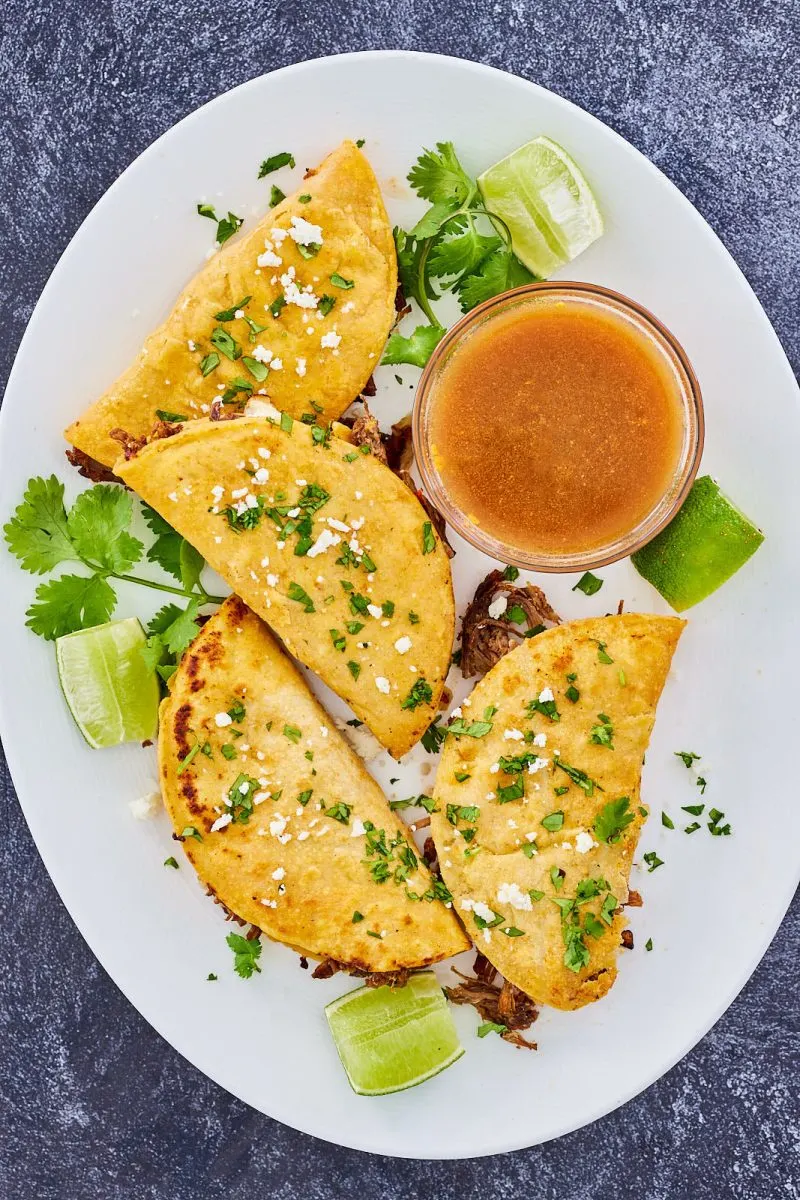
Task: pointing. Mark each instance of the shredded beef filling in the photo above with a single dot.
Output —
(501, 1004)
(486, 639)
(372, 979)
(90, 468)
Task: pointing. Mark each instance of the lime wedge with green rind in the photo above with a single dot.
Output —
(111, 692)
(543, 197)
(390, 1039)
(704, 544)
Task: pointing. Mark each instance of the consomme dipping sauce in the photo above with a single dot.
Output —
(558, 426)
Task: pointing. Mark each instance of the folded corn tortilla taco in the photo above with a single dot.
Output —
(297, 307)
(278, 815)
(538, 800)
(328, 546)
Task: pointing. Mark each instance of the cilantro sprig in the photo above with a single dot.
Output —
(95, 533)
(457, 245)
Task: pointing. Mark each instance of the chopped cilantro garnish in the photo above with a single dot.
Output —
(209, 363)
(286, 422)
(237, 711)
(240, 798)
(339, 812)
(589, 584)
(511, 574)
(246, 953)
(602, 734)
(553, 821)
(356, 917)
(228, 314)
(433, 737)
(687, 757)
(420, 693)
(340, 282)
(602, 653)
(653, 861)
(326, 303)
(338, 639)
(648, 944)
(612, 819)
(276, 195)
(257, 369)
(695, 810)
(304, 796)
(171, 862)
(190, 832)
(226, 344)
(572, 694)
(354, 668)
(228, 751)
(292, 733)
(490, 1027)
(578, 777)
(667, 821)
(275, 162)
(693, 828)
(428, 540)
(296, 592)
(164, 414)
(277, 306)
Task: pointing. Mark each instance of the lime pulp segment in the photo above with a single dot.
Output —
(706, 543)
(541, 194)
(111, 692)
(390, 1039)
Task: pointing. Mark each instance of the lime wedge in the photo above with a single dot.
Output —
(544, 199)
(111, 692)
(706, 543)
(393, 1038)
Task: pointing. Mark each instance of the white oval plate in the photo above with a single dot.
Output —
(711, 910)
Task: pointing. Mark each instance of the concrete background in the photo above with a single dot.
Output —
(93, 1104)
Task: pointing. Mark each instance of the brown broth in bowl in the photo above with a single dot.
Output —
(557, 425)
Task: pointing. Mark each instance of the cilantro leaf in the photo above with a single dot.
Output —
(37, 534)
(434, 219)
(416, 349)
(498, 273)
(191, 563)
(70, 603)
(182, 631)
(275, 162)
(246, 953)
(409, 267)
(612, 819)
(168, 550)
(98, 522)
(438, 176)
(463, 253)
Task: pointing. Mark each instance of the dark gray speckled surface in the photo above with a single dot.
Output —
(94, 1104)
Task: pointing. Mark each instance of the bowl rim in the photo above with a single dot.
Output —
(623, 546)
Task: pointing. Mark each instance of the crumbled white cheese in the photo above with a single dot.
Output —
(221, 822)
(300, 367)
(340, 525)
(514, 735)
(545, 695)
(358, 828)
(540, 739)
(538, 764)
(222, 719)
(330, 340)
(278, 824)
(512, 893)
(479, 908)
(261, 354)
(278, 873)
(403, 645)
(261, 475)
(304, 233)
(374, 611)
(382, 685)
(145, 806)
(497, 607)
(325, 540)
(584, 842)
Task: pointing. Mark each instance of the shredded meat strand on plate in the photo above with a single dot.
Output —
(501, 1004)
(486, 639)
(90, 468)
(634, 899)
(627, 939)
(369, 388)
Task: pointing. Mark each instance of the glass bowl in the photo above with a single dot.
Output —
(688, 459)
